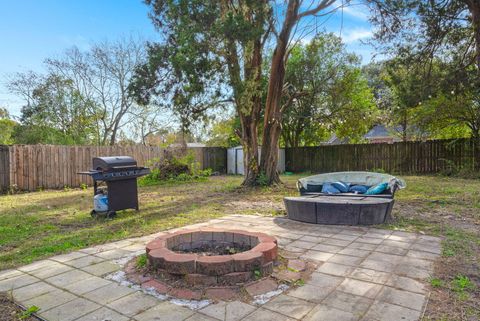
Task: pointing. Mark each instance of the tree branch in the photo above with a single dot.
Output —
(322, 5)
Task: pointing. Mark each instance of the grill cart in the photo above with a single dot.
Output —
(119, 173)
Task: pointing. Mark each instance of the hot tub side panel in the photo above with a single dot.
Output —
(337, 214)
(342, 212)
(301, 211)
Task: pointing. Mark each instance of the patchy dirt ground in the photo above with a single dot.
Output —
(449, 299)
(9, 311)
(256, 206)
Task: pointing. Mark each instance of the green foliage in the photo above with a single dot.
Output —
(141, 261)
(223, 133)
(56, 114)
(436, 80)
(451, 114)
(407, 88)
(262, 179)
(194, 34)
(462, 283)
(465, 170)
(436, 283)
(326, 94)
(435, 103)
(29, 312)
(175, 169)
(33, 134)
(7, 128)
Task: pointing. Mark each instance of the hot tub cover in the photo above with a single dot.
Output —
(354, 178)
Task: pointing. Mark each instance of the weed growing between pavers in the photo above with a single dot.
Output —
(10, 311)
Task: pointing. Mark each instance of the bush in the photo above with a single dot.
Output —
(465, 170)
(175, 169)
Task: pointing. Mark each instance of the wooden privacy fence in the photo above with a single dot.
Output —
(405, 157)
(31, 167)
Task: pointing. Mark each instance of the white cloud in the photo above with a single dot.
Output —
(356, 12)
(355, 9)
(352, 35)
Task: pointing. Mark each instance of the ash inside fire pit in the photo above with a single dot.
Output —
(210, 249)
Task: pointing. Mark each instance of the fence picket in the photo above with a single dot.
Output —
(404, 157)
(31, 167)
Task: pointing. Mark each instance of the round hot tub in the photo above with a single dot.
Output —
(339, 210)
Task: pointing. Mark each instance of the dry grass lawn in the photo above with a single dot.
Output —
(41, 224)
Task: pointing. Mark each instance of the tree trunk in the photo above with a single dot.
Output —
(250, 150)
(273, 113)
(113, 137)
(404, 126)
(250, 120)
(474, 8)
(476, 147)
(116, 126)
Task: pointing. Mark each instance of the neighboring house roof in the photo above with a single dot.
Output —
(334, 140)
(376, 133)
(380, 134)
(241, 147)
(189, 145)
(381, 131)
(196, 145)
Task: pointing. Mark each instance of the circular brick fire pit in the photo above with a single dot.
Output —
(180, 254)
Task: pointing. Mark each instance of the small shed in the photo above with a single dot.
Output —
(235, 160)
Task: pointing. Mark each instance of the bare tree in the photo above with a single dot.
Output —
(23, 85)
(102, 75)
(149, 119)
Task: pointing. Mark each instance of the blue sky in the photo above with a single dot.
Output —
(32, 30)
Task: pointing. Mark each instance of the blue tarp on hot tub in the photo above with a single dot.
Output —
(312, 184)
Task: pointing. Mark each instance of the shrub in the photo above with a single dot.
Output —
(262, 179)
(465, 170)
(174, 169)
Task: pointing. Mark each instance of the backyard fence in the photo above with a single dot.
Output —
(31, 167)
(404, 157)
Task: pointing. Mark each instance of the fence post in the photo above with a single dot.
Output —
(4, 168)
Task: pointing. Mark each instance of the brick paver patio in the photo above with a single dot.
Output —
(363, 274)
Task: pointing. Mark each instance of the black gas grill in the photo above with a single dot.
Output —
(120, 175)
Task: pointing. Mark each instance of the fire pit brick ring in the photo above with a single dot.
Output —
(175, 254)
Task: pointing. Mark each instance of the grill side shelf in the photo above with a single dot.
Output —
(116, 175)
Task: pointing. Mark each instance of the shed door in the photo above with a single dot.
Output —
(239, 163)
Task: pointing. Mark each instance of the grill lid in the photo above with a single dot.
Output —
(109, 163)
